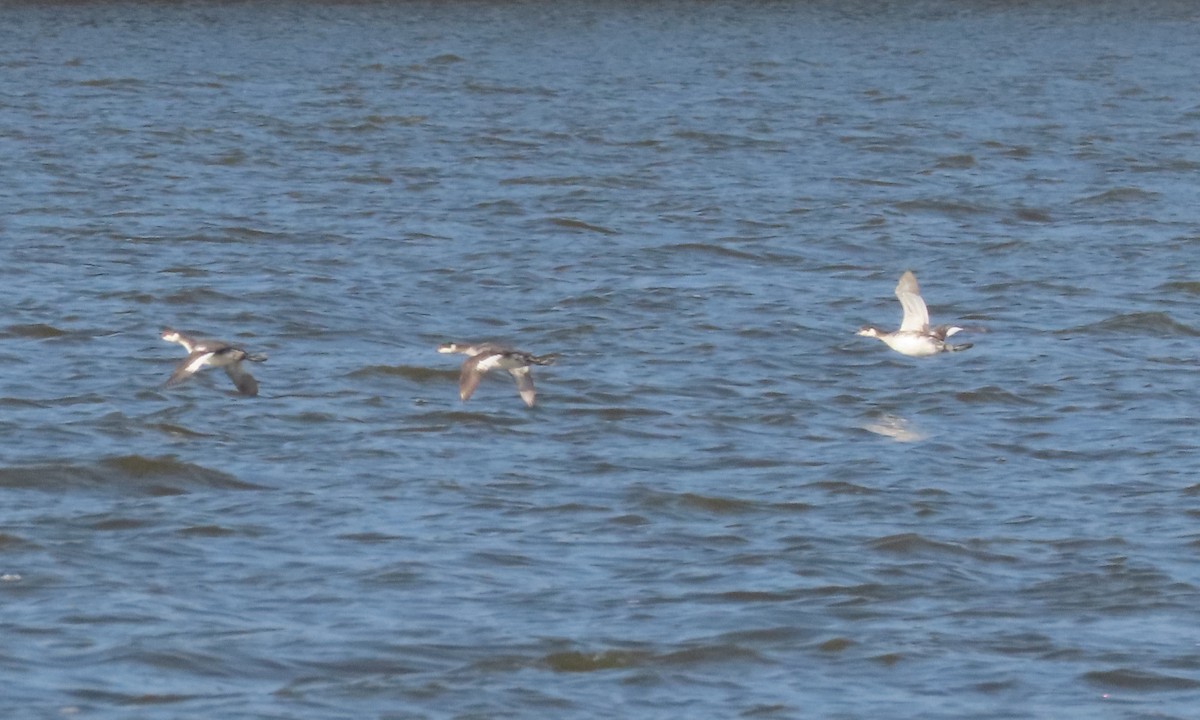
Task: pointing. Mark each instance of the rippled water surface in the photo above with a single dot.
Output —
(725, 504)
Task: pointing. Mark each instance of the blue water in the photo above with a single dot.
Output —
(724, 504)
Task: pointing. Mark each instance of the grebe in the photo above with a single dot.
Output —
(915, 338)
(488, 356)
(212, 353)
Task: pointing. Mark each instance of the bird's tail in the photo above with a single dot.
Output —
(958, 348)
(543, 359)
(256, 358)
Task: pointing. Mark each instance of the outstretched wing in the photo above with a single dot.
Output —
(188, 366)
(469, 376)
(524, 384)
(916, 315)
(246, 384)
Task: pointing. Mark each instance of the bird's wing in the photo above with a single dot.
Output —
(188, 366)
(916, 315)
(469, 376)
(524, 384)
(246, 384)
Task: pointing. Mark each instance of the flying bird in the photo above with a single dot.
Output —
(915, 338)
(212, 353)
(484, 357)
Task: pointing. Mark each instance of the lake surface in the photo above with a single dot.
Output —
(725, 504)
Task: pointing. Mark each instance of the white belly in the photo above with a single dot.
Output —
(914, 344)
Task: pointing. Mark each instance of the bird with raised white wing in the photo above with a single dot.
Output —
(915, 338)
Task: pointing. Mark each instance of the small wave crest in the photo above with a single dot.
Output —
(1140, 680)
(35, 331)
(574, 224)
(408, 372)
(137, 473)
(1158, 324)
(1118, 195)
